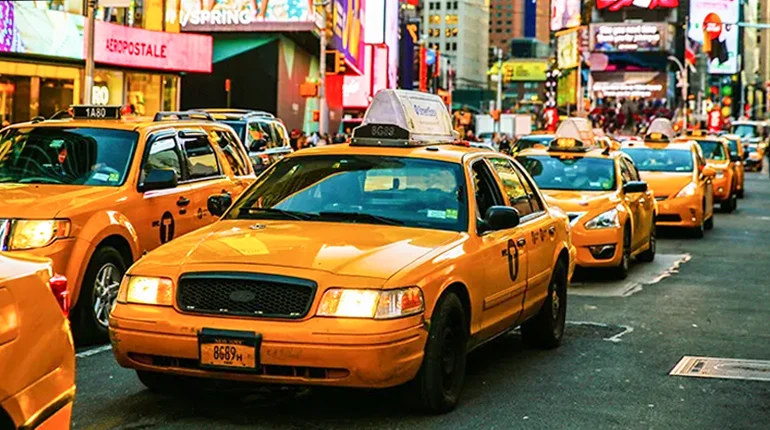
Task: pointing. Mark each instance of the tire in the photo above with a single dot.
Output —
(546, 329)
(88, 326)
(741, 193)
(648, 256)
(729, 205)
(442, 374)
(621, 270)
(709, 223)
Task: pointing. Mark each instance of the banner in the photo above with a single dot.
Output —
(25, 29)
(641, 37)
(652, 85)
(565, 14)
(245, 16)
(567, 49)
(348, 32)
(713, 26)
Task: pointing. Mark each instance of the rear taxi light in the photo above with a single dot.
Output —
(58, 285)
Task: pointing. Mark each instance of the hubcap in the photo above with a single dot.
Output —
(555, 301)
(106, 289)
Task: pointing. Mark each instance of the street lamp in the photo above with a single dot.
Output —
(323, 110)
(685, 84)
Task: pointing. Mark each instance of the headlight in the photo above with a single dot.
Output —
(348, 303)
(688, 190)
(30, 234)
(607, 219)
(146, 290)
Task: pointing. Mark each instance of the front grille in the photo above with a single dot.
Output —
(245, 294)
(668, 218)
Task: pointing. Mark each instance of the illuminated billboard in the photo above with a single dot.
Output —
(565, 14)
(245, 16)
(713, 26)
(627, 37)
(347, 33)
(616, 5)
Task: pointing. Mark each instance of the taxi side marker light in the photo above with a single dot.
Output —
(723, 368)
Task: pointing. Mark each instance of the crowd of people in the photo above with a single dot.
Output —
(298, 139)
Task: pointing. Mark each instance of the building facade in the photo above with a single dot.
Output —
(514, 20)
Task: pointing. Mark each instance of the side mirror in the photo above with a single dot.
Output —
(708, 172)
(258, 145)
(218, 204)
(159, 179)
(735, 158)
(635, 187)
(746, 154)
(501, 218)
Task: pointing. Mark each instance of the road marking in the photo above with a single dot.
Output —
(94, 351)
(614, 338)
(762, 218)
(640, 276)
(723, 368)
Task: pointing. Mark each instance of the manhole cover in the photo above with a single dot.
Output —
(726, 368)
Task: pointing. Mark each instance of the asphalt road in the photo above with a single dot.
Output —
(708, 297)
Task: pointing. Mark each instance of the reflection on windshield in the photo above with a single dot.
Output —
(570, 173)
(745, 130)
(661, 160)
(530, 141)
(712, 149)
(66, 155)
(359, 189)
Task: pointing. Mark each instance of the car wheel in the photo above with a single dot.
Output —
(649, 255)
(97, 295)
(546, 329)
(708, 224)
(621, 270)
(442, 374)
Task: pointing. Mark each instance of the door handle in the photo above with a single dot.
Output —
(552, 230)
(521, 242)
(182, 202)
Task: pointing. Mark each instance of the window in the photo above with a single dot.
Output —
(485, 189)
(454, 46)
(164, 154)
(236, 159)
(662, 160)
(451, 19)
(512, 184)
(625, 174)
(448, 45)
(571, 173)
(455, 7)
(261, 136)
(449, 5)
(534, 198)
(201, 158)
(434, 19)
(713, 149)
(280, 135)
(630, 168)
(498, 30)
(431, 5)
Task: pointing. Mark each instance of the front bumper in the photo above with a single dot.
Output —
(597, 248)
(680, 212)
(316, 351)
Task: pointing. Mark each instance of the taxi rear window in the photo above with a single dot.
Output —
(712, 149)
(66, 155)
(401, 191)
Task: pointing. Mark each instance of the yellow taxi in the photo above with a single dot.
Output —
(755, 154)
(611, 210)
(755, 136)
(680, 178)
(717, 153)
(737, 156)
(95, 192)
(37, 354)
(374, 263)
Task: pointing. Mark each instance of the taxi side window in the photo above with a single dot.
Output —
(627, 171)
(632, 170)
(260, 136)
(164, 154)
(512, 185)
(485, 189)
(230, 147)
(281, 137)
(201, 158)
(534, 199)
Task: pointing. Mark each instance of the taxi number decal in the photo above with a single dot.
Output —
(166, 227)
(513, 260)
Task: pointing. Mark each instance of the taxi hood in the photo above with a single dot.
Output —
(578, 201)
(366, 250)
(46, 201)
(665, 184)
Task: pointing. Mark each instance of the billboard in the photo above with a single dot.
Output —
(348, 31)
(616, 5)
(627, 37)
(630, 84)
(567, 49)
(565, 14)
(26, 29)
(244, 16)
(713, 26)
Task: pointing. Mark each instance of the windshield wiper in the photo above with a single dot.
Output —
(300, 216)
(363, 217)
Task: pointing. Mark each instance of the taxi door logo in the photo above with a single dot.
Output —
(166, 227)
(513, 259)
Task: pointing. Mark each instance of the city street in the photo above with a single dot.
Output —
(705, 297)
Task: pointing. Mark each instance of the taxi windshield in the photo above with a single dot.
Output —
(527, 142)
(66, 155)
(745, 130)
(712, 149)
(359, 189)
(661, 159)
(571, 173)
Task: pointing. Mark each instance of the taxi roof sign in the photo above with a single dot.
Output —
(96, 112)
(660, 130)
(405, 118)
(576, 128)
(568, 144)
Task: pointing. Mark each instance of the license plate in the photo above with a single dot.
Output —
(229, 349)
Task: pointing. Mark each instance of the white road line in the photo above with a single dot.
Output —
(614, 338)
(93, 351)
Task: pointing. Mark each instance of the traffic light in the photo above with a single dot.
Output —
(335, 62)
(316, 116)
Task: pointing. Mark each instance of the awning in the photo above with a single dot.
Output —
(227, 47)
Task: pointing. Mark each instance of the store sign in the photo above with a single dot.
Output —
(713, 26)
(133, 47)
(616, 5)
(522, 70)
(348, 34)
(567, 49)
(264, 15)
(630, 37)
(25, 29)
(630, 84)
(100, 95)
(565, 14)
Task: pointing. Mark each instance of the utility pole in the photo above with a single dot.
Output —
(89, 86)
(323, 109)
(499, 100)
(684, 82)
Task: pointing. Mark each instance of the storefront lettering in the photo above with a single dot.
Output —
(120, 46)
(218, 17)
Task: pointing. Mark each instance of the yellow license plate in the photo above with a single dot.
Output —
(229, 349)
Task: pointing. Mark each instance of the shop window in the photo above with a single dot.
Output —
(144, 93)
(170, 94)
(201, 159)
(53, 95)
(132, 16)
(69, 6)
(108, 88)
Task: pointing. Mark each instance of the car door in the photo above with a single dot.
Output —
(635, 202)
(501, 256)
(161, 215)
(647, 203)
(705, 183)
(205, 176)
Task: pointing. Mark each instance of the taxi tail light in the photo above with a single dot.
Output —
(58, 285)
